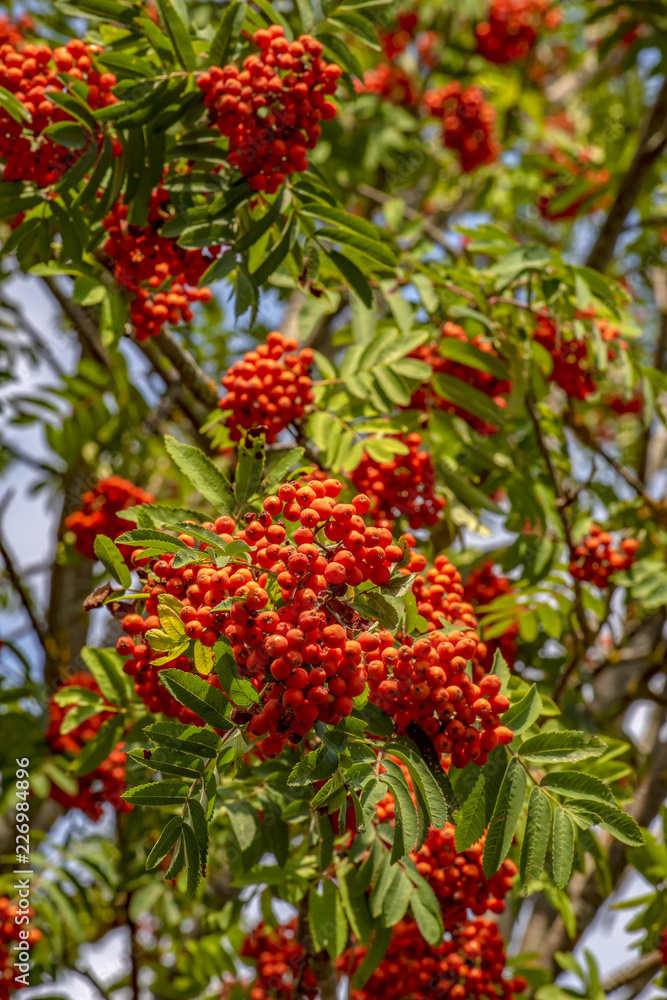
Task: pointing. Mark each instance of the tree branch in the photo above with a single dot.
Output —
(192, 375)
(625, 977)
(319, 962)
(82, 322)
(40, 346)
(410, 213)
(17, 583)
(652, 141)
(582, 633)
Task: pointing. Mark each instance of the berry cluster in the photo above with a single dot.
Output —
(31, 75)
(280, 960)
(468, 965)
(161, 275)
(427, 684)
(512, 28)
(496, 389)
(271, 109)
(572, 368)
(9, 936)
(401, 486)
(99, 513)
(572, 171)
(619, 404)
(392, 83)
(397, 40)
(483, 586)
(662, 947)
(305, 657)
(596, 558)
(269, 388)
(426, 681)
(107, 782)
(145, 673)
(468, 123)
(13, 34)
(457, 877)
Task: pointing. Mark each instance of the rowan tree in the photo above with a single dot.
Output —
(349, 679)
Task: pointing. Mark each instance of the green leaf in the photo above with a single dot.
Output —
(109, 555)
(261, 225)
(165, 842)
(322, 907)
(562, 847)
(505, 817)
(227, 33)
(371, 248)
(219, 269)
(353, 276)
(244, 822)
(535, 838)
(192, 858)
(251, 456)
(275, 257)
(557, 747)
(397, 898)
(199, 696)
(468, 398)
(501, 669)
(620, 825)
(467, 354)
(430, 757)
(15, 108)
(157, 793)
(423, 779)
(169, 762)
(143, 536)
(80, 714)
(99, 748)
(471, 821)
(178, 34)
(524, 713)
(106, 667)
(356, 907)
(372, 958)
(68, 134)
(341, 53)
(407, 820)
(237, 688)
(358, 26)
(203, 475)
(426, 910)
(575, 785)
(186, 739)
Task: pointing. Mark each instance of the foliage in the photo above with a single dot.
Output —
(371, 627)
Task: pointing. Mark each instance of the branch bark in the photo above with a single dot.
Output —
(652, 141)
(15, 580)
(546, 933)
(319, 962)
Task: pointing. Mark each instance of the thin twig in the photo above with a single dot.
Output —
(651, 143)
(82, 322)
(94, 982)
(40, 346)
(21, 456)
(581, 634)
(631, 478)
(518, 304)
(16, 582)
(410, 213)
(647, 965)
(192, 375)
